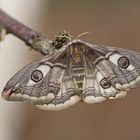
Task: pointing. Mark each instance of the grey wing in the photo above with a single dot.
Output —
(111, 75)
(46, 83)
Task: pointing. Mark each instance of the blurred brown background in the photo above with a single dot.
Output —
(111, 22)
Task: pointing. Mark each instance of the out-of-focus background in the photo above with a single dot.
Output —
(111, 22)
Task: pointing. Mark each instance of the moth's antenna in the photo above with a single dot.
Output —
(82, 34)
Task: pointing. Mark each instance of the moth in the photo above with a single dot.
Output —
(72, 70)
(75, 71)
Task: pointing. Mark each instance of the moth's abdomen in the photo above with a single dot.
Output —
(77, 64)
(78, 74)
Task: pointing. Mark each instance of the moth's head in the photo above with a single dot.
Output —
(62, 39)
(29, 84)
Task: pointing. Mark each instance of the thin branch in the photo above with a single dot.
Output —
(32, 38)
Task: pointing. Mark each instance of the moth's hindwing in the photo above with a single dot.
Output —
(76, 72)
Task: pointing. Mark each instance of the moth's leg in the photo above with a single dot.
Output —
(32, 38)
(3, 33)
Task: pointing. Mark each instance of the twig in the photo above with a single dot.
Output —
(32, 38)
